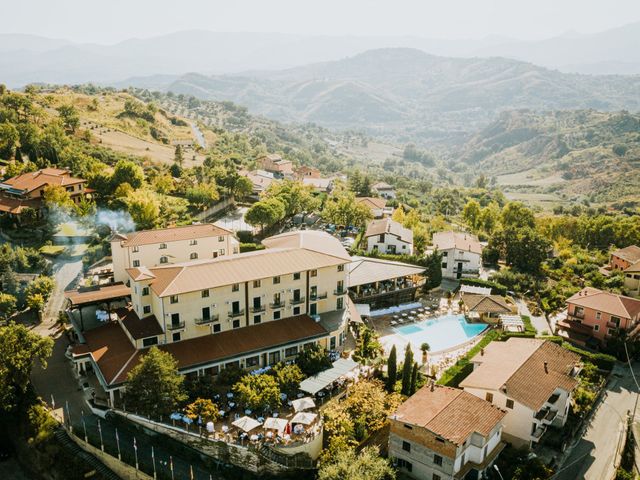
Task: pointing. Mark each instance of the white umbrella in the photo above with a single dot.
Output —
(246, 423)
(210, 427)
(304, 418)
(303, 404)
(278, 424)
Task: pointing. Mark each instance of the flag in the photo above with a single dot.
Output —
(191, 472)
(135, 445)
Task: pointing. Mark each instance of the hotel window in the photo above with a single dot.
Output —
(252, 361)
(236, 324)
(206, 313)
(164, 259)
(215, 254)
(596, 328)
(274, 357)
(296, 311)
(221, 252)
(445, 254)
(436, 477)
(136, 263)
(381, 238)
(408, 466)
(193, 256)
(437, 459)
(509, 403)
(489, 397)
(276, 280)
(444, 264)
(291, 352)
(216, 327)
(406, 446)
(340, 303)
(276, 315)
(163, 246)
(313, 309)
(616, 320)
(341, 268)
(146, 309)
(193, 242)
(176, 337)
(173, 299)
(145, 291)
(205, 293)
(256, 284)
(598, 315)
(221, 238)
(314, 273)
(235, 287)
(332, 343)
(148, 342)
(257, 319)
(296, 276)
(135, 249)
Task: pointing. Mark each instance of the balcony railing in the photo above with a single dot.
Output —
(612, 325)
(175, 326)
(257, 309)
(318, 296)
(205, 321)
(237, 313)
(275, 305)
(340, 291)
(579, 315)
(538, 432)
(297, 301)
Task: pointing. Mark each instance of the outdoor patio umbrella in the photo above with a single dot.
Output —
(246, 423)
(303, 404)
(304, 418)
(279, 424)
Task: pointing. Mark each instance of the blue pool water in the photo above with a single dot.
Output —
(441, 333)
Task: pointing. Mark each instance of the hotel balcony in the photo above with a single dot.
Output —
(297, 301)
(238, 313)
(340, 291)
(538, 432)
(206, 321)
(258, 309)
(318, 296)
(175, 326)
(612, 325)
(546, 416)
(578, 315)
(276, 305)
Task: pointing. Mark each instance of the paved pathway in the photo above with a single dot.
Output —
(592, 456)
(539, 322)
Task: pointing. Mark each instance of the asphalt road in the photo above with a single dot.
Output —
(592, 457)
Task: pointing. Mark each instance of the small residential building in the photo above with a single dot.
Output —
(384, 190)
(377, 205)
(167, 246)
(599, 314)
(632, 279)
(305, 171)
(531, 379)
(461, 254)
(260, 180)
(383, 283)
(485, 307)
(319, 185)
(445, 433)
(623, 258)
(247, 311)
(388, 236)
(27, 190)
(277, 165)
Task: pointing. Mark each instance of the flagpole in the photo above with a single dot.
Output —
(84, 425)
(69, 416)
(135, 449)
(153, 460)
(191, 472)
(118, 444)
(100, 430)
(171, 465)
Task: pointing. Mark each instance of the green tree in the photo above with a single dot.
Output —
(57, 198)
(347, 464)
(43, 285)
(9, 140)
(202, 196)
(144, 208)
(126, 171)
(341, 208)
(392, 370)
(202, 409)
(406, 370)
(154, 386)
(425, 348)
(19, 350)
(414, 379)
(258, 391)
(265, 213)
(368, 346)
(178, 156)
(517, 215)
(471, 214)
(288, 377)
(313, 359)
(295, 196)
(69, 116)
(8, 304)
(433, 270)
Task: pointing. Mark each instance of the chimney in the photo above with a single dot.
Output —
(546, 367)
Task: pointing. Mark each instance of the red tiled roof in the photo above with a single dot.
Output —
(47, 176)
(618, 305)
(163, 235)
(101, 293)
(631, 253)
(139, 327)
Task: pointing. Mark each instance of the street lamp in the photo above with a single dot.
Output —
(498, 470)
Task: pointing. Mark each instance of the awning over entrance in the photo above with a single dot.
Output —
(322, 380)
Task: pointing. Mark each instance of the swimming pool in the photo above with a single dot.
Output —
(441, 333)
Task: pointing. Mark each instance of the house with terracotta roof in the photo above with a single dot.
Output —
(598, 314)
(632, 279)
(247, 310)
(260, 179)
(531, 379)
(388, 236)
(27, 190)
(486, 307)
(305, 171)
(384, 190)
(623, 258)
(277, 165)
(167, 246)
(445, 433)
(377, 205)
(461, 254)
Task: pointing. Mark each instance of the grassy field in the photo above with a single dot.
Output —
(531, 177)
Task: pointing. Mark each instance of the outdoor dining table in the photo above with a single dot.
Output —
(393, 322)
(413, 312)
(230, 395)
(247, 412)
(232, 404)
(404, 314)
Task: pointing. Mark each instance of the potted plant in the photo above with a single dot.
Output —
(425, 347)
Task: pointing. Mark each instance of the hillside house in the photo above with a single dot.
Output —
(378, 206)
(388, 236)
(623, 258)
(277, 165)
(384, 190)
(461, 254)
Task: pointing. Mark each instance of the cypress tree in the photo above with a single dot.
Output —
(406, 370)
(392, 370)
(414, 379)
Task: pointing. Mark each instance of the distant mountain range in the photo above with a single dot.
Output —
(30, 58)
(408, 93)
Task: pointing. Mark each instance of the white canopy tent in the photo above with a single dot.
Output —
(278, 424)
(323, 379)
(305, 418)
(246, 423)
(303, 404)
(475, 289)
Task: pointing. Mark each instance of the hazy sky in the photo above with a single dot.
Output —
(114, 20)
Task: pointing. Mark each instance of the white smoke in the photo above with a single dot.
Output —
(118, 221)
